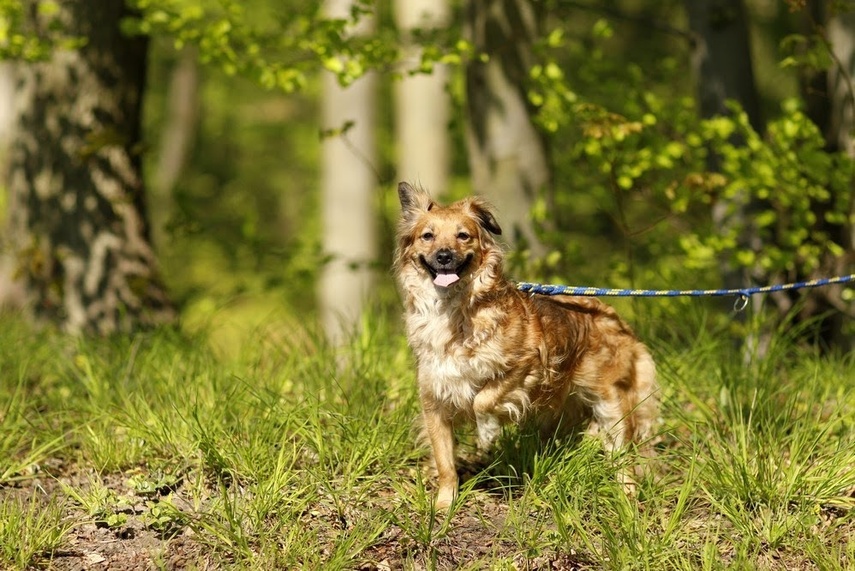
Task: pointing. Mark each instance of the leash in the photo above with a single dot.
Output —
(742, 294)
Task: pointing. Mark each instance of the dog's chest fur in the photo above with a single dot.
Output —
(458, 350)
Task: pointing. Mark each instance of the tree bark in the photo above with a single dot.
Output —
(721, 60)
(11, 291)
(831, 105)
(421, 103)
(79, 231)
(841, 88)
(507, 153)
(722, 64)
(348, 198)
(179, 129)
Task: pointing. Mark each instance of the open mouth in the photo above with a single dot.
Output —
(445, 276)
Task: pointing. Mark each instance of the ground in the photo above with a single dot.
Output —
(134, 545)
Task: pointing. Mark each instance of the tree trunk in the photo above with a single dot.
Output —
(179, 127)
(78, 225)
(841, 87)
(722, 57)
(11, 292)
(421, 103)
(348, 198)
(722, 64)
(507, 153)
(721, 60)
(831, 105)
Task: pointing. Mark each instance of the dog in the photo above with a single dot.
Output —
(490, 354)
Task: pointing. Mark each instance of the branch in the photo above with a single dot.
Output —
(642, 21)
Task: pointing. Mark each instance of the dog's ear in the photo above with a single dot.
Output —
(485, 217)
(413, 200)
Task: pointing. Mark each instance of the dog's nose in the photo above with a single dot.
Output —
(444, 257)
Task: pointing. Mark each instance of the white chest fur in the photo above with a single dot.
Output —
(456, 355)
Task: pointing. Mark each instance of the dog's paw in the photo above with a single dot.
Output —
(489, 428)
(627, 479)
(445, 497)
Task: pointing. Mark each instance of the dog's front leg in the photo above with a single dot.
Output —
(441, 434)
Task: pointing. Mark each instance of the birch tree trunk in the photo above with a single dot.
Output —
(421, 102)
(11, 291)
(348, 198)
(182, 113)
(841, 88)
(79, 234)
(507, 153)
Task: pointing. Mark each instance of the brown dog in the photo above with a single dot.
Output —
(489, 353)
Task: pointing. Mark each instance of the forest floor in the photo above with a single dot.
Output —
(135, 545)
(154, 452)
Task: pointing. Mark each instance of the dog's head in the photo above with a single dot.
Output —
(444, 243)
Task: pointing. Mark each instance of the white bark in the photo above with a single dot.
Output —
(507, 153)
(11, 292)
(7, 117)
(841, 88)
(348, 197)
(179, 127)
(422, 103)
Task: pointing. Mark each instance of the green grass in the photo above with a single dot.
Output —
(288, 453)
(30, 530)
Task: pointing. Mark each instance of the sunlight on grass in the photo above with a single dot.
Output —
(289, 453)
(22, 444)
(30, 531)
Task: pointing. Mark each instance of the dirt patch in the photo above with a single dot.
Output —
(475, 533)
(469, 541)
(91, 547)
(123, 544)
(122, 538)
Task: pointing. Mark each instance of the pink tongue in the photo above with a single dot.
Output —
(445, 280)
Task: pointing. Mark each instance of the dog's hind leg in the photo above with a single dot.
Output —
(615, 429)
(625, 413)
(646, 408)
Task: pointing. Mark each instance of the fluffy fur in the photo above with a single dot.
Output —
(488, 353)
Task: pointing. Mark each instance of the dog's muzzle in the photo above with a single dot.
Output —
(444, 267)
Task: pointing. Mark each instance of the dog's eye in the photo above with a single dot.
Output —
(463, 236)
(427, 236)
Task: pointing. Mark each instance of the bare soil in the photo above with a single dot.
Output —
(474, 535)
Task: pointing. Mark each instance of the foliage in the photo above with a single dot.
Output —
(276, 44)
(102, 504)
(19, 40)
(610, 88)
(804, 191)
(635, 166)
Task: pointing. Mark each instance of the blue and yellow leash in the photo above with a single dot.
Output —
(742, 294)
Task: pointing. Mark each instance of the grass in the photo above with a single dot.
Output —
(291, 454)
(30, 530)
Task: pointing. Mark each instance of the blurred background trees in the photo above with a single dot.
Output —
(666, 144)
(348, 185)
(79, 231)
